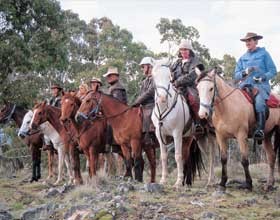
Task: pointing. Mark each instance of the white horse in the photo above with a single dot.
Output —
(49, 134)
(171, 117)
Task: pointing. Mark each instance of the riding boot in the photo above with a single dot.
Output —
(259, 132)
(38, 170)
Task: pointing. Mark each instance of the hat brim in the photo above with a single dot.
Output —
(258, 37)
(95, 81)
(108, 74)
(56, 87)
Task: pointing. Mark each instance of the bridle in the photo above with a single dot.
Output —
(8, 117)
(216, 94)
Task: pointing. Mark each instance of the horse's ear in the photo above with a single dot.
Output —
(198, 71)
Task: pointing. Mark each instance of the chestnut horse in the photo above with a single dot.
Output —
(233, 117)
(34, 141)
(126, 123)
(43, 113)
(90, 134)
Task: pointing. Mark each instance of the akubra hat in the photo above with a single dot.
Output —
(56, 86)
(250, 35)
(95, 80)
(111, 70)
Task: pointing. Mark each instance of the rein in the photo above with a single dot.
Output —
(213, 103)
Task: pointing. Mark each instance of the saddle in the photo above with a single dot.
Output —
(272, 101)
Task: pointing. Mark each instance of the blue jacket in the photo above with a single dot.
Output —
(266, 69)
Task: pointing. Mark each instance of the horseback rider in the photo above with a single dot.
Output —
(254, 69)
(183, 78)
(83, 89)
(95, 84)
(146, 99)
(116, 90)
(56, 91)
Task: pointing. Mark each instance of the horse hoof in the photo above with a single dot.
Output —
(246, 186)
(33, 179)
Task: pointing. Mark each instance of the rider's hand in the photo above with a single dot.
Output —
(257, 79)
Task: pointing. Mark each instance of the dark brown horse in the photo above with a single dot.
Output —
(35, 141)
(43, 113)
(126, 123)
(90, 134)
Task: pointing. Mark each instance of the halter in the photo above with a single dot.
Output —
(9, 116)
(211, 106)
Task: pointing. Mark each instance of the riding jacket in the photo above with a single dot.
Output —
(118, 91)
(147, 92)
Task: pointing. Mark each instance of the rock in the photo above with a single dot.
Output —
(4, 215)
(209, 216)
(80, 215)
(125, 187)
(65, 188)
(153, 187)
(52, 192)
(74, 209)
(250, 202)
(104, 196)
(40, 212)
(103, 215)
(2, 207)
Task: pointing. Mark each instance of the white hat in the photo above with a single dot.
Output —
(185, 44)
(147, 60)
(111, 70)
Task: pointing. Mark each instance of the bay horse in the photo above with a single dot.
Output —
(43, 113)
(171, 118)
(233, 117)
(89, 134)
(34, 142)
(126, 123)
(49, 133)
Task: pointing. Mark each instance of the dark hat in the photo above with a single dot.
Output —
(250, 35)
(56, 86)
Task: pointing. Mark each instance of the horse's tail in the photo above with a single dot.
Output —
(277, 146)
(192, 163)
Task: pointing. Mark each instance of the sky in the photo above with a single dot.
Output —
(221, 24)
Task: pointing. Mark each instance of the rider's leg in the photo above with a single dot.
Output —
(260, 107)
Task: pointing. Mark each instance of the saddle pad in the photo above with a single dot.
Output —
(272, 102)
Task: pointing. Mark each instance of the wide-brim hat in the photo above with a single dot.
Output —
(185, 44)
(96, 80)
(250, 35)
(56, 86)
(111, 70)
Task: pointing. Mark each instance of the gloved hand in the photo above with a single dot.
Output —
(248, 71)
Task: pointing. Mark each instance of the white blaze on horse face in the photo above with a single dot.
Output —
(206, 93)
(32, 120)
(24, 128)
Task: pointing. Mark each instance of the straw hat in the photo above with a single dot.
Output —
(250, 35)
(95, 79)
(111, 70)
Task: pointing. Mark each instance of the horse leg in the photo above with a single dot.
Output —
(50, 164)
(163, 155)
(271, 157)
(93, 157)
(178, 157)
(223, 148)
(60, 164)
(68, 167)
(242, 141)
(75, 160)
(151, 155)
(128, 160)
(211, 176)
(138, 159)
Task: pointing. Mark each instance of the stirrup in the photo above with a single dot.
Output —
(198, 129)
(259, 135)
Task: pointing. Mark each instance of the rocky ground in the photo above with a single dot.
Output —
(107, 198)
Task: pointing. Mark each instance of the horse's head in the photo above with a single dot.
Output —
(39, 116)
(69, 106)
(89, 107)
(6, 112)
(162, 76)
(206, 89)
(26, 125)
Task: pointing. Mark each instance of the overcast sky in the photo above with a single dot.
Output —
(220, 23)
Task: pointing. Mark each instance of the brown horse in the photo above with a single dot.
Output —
(43, 113)
(34, 142)
(233, 117)
(126, 123)
(90, 134)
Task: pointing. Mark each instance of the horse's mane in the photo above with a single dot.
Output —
(75, 98)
